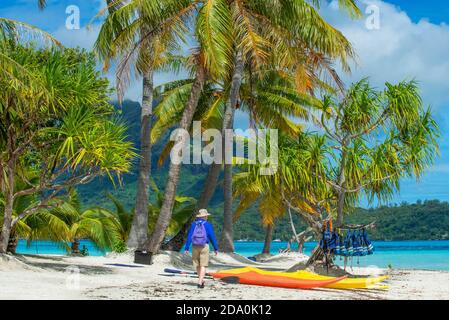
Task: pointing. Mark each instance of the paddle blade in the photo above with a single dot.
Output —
(231, 279)
(168, 270)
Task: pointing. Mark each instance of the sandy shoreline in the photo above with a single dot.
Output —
(116, 277)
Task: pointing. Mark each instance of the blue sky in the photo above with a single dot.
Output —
(411, 43)
(436, 11)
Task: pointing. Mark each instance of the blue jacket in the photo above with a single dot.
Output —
(209, 232)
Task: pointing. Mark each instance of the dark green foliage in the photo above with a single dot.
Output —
(119, 246)
(426, 220)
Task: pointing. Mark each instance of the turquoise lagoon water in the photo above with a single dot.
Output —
(430, 255)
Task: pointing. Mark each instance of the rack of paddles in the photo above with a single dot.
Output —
(345, 242)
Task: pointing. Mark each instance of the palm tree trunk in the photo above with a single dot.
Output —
(165, 214)
(76, 246)
(138, 234)
(268, 238)
(252, 120)
(176, 243)
(139, 228)
(6, 228)
(9, 199)
(12, 243)
(227, 236)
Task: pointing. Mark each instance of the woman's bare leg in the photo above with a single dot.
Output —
(198, 272)
(201, 274)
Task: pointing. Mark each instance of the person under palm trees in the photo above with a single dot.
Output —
(200, 234)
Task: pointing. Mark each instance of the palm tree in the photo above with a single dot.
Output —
(68, 222)
(270, 205)
(123, 217)
(212, 23)
(182, 210)
(285, 36)
(270, 191)
(273, 102)
(302, 159)
(142, 33)
(371, 139)
(247, 30)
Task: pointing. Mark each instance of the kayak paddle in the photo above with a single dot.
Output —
(231, 279)
(168, 270)
(182, 275)
(176, 271)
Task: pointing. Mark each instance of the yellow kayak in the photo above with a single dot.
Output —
(348, 283)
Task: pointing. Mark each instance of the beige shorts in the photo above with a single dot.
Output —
(200, 256)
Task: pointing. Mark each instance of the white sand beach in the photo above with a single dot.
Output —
(117, 277)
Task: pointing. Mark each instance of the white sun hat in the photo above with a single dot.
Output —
(202, 213)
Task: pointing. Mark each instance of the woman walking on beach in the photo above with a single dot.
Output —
(200, 233)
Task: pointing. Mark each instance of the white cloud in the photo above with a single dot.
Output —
(400, 49)
(403, 49)
(84, 38)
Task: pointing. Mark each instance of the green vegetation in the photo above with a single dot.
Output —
(57, 130)
(427, 220)
(424, 220)
(68, 223)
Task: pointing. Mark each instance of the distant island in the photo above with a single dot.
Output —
(424, 220)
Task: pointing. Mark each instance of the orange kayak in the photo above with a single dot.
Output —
(257, 279)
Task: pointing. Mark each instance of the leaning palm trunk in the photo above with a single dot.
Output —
(138, 234)
(12, 243)
(156, 239)
(268, 238)
(76, 246)
(227, 237)
(6, 228)
(9, 201)
(176, 243)
(139, 229)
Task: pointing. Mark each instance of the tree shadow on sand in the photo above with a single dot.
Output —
(60, 265)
